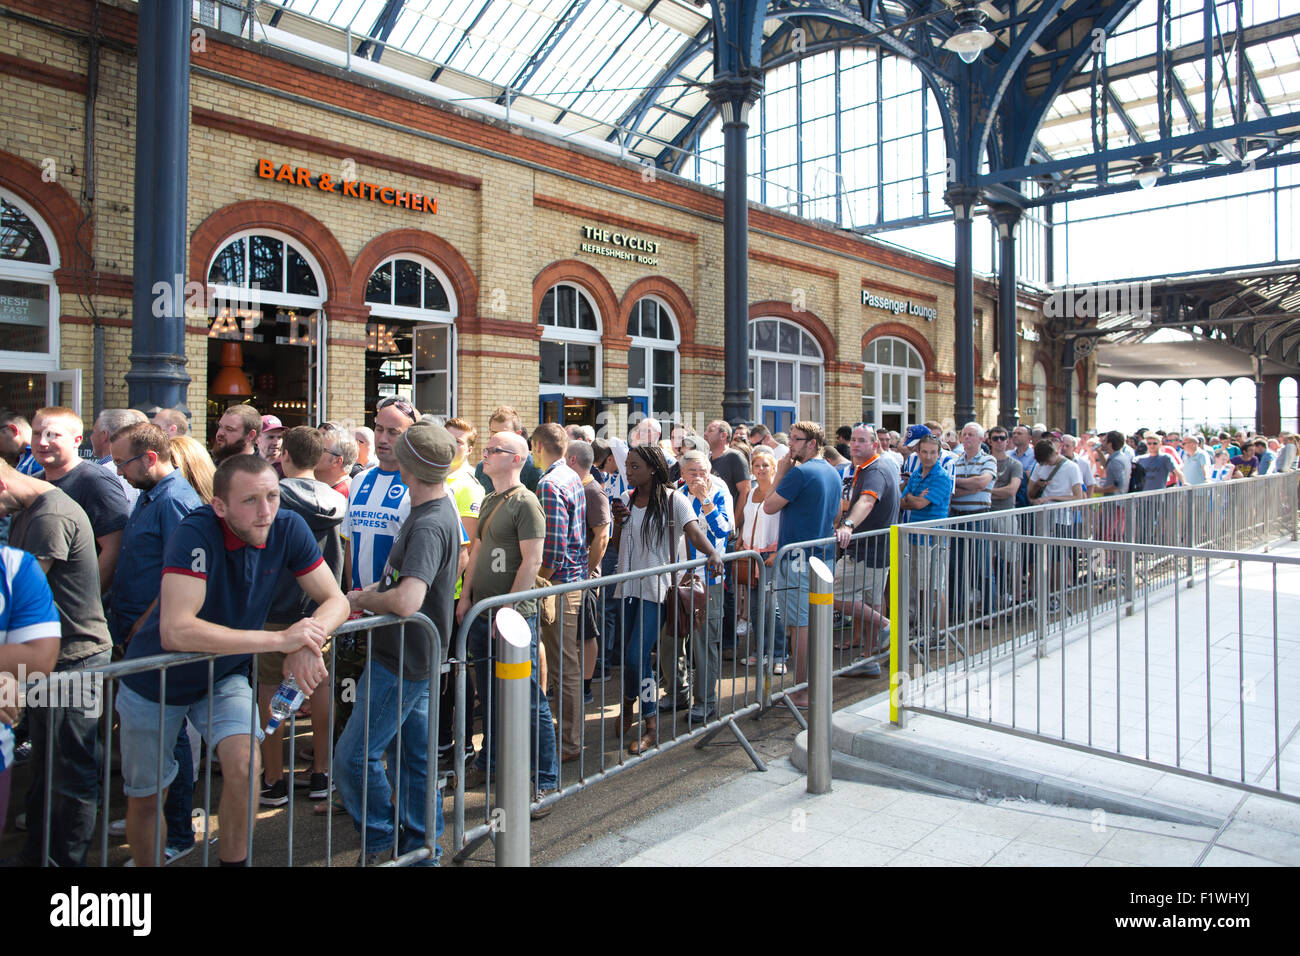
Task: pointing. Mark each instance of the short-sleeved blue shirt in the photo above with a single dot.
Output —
(139, 565)
(939, 483)
(27, 613)
(241, 581)
(812, 491)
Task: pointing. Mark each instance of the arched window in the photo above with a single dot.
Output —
(410, 340)
(1038, 411)
(652, 377)
(893, 384)
(570, 355)
(785, 374)
(267, 293)
(1288, 397)
(29, 309)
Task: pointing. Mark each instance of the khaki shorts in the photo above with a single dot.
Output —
(860, 582)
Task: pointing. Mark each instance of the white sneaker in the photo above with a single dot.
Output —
(117, 827)
(170, 855)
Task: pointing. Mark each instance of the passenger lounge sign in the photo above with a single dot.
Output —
(898, 306)
(351, 188)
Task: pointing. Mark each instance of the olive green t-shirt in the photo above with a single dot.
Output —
(499, 557)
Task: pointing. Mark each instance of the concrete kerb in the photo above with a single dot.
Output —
(873, 751)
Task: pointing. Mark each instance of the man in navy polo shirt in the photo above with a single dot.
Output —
(220, 571)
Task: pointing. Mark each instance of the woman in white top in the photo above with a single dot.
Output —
(758, 532)
(648, 520)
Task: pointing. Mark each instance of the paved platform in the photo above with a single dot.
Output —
(944, 793)
(768, 819)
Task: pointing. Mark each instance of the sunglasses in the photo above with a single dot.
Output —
(401, 404)
(123, 464)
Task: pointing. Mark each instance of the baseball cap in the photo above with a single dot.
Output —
(270, 424)
(915, 433)
(425, 451)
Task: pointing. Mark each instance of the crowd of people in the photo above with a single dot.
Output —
(266, 542)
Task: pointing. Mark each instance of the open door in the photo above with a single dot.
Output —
(64, 388)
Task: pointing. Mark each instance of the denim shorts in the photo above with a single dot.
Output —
(792, 585)
(233, 712)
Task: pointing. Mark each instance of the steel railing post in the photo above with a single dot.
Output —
(900, 645)
(514, 669)
(820, 595)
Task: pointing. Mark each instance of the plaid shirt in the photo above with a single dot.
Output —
(564, 504)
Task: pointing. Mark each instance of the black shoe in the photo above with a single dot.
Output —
(318, 783)
(274, 794)
(670, 702)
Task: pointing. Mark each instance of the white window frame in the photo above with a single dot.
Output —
(316, 354)
(422, 317)
(1038, 411)
(649, 344)
(47, 361)
(757, 356)
(876, 370)
(553, 333)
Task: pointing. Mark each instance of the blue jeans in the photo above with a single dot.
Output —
(78, 760)
(611, 612)
(351, 761)
(179, 805)
(545, 763)
(641, 630)
(780, 652)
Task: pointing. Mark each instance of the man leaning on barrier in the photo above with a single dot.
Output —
(220, 570)
(871, 499)
(420, 575)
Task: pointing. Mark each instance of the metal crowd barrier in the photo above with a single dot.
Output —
(958, 598)
(687, 670)
(1161, 687)
(89, 778)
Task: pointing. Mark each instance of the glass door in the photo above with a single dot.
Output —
(64, 388)
(431, 370)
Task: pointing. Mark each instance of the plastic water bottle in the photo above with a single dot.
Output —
(288, 698)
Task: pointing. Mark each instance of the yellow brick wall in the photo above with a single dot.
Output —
(505, 239)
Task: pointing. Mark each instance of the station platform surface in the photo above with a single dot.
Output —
(944, 793)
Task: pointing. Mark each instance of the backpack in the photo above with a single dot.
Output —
(1137, 477)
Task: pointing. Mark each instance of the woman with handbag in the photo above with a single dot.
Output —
(758, 532)
(648, 520)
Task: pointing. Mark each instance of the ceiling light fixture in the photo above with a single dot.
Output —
(971, 39)
(1147, 173)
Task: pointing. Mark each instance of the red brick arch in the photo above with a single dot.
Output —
(595, 285)
(56, 207)
(909, 335)
(439, 251)
(819, 330)
(671, 293)
(255, 214)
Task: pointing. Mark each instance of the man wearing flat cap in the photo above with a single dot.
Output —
(420, 576)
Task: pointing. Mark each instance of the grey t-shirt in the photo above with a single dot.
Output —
(427, 548)
(1118, 467)
(100, 496)
(1158, 469)
(635, 554)
(1009, 469)
(730, 467)
(55, 528)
